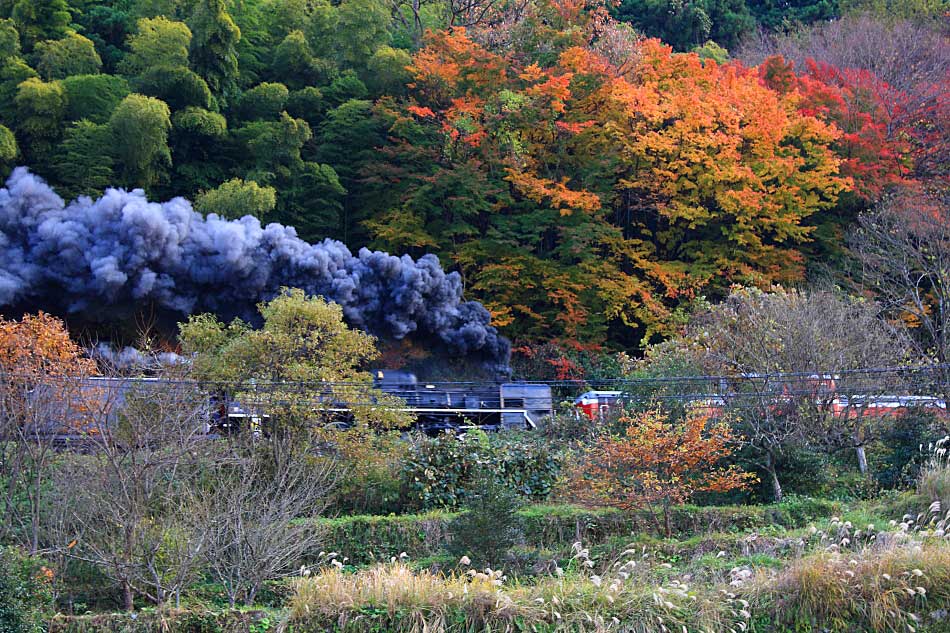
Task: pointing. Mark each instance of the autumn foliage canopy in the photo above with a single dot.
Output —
(612, 187)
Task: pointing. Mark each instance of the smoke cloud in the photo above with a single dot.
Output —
(129, 358)
(104, 259)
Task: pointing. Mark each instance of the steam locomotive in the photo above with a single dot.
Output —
(457, 405)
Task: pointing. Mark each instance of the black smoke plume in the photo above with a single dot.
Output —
(103, 259)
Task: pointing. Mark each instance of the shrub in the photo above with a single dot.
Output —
(658, 464)
(490, 527)
(440, 472)
(371, 464)
(25, 593)
(896, 458)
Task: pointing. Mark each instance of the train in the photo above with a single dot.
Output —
(820, 389)
(434, 407)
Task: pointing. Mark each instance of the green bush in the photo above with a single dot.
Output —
(895, 458)
(368, 538)
(440, 472)
(25, 593)
(490, 526)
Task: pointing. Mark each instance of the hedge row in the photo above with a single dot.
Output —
(168, 621)
(364, 539)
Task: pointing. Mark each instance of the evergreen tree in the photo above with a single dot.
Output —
(139, 134)
(9, 40)
(84, 166)
(8, 150)
(13, 72)
(93, 97)
(39, 20)
(71, 55)
(41, 110)
(214, 47)
(158, 43)
(237, 198)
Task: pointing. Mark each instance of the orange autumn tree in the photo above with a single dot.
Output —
(39, 392)
(659, 463)
(39, 346)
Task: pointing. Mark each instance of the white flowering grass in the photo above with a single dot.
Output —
(625, 597)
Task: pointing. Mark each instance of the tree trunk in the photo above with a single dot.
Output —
(773, 474)
(862, 459)
(127, 597)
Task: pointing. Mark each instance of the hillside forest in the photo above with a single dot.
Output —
(620, 161)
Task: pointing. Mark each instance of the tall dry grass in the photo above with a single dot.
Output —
(934, 480)
(894, 579)
(894, 587)
(626, 598)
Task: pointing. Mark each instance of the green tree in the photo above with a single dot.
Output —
(237, 198)
(786, 14)
(109, 28)
(281, 17)
(688, 23)
(13, 72)
(263, 102)
(344, 88)
(72, 55)
(890, 9)
(201, 123)
(39, 20)
(362, 28)
(302, 339)
(8, 149)
(214, 47)
(197, 135)
(177, 86)
(139, 128)
(41, 110)
(84, 164)
(159, 42)
(294, 64)
(275, 145)
(712, 50)
(307, 104)
(324, 22)
(9, 40)
(490, 526)
(312, 201)
(681, 23)
(93, 97)
(387, 71)
(348, 140)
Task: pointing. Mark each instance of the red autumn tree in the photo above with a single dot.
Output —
(659, 463)
(874, 150)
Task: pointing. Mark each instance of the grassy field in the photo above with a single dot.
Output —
(802, 565)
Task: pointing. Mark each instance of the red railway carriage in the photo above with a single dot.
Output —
(597, 404)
